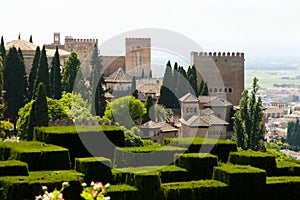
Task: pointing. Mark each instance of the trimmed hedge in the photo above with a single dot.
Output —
(13, 168)
(287, 168)
(170, 173)
(27, 187)
(197, 190)
(245, 182)
(122, 192)
(199, 165)
(221, 148)
(75, 139)
(38, 155)
(255, 159)
(279, 188)
(95, 169)
(145, 156)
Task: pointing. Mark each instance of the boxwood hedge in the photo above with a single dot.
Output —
(13, 168)
(287, 187)
(122, 192)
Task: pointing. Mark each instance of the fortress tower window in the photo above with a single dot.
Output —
(225, 89)
(230, 90)
(220, 90)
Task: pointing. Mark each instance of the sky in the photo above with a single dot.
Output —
(257, 27)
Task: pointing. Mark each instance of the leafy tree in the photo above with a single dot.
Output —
(33, 70)
(14, 84)
(30, 39)
(148, 105)
(43, 73)
(41, 107)
(71, 68)
(125, 111)
(2, 49)
(55, 76)
(247, 120)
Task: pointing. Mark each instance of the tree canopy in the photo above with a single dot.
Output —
(71, 68)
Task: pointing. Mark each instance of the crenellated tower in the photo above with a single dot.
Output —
(223, 72)
(138, 56)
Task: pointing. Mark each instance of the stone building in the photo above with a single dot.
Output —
(223, 72)
(83, 48)
(28, 50)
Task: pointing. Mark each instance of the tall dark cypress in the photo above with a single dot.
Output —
(2, 49)
(24, 78)
(33, 70)
(14, 84)
(43, 73)
(166, 95)
(133, 90)
(41, 107)
(148, 105)
(30, 39)
(56, 77)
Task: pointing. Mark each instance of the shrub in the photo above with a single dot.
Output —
(122, 192)
(38, 155)
(202, 189)
(287, 168)
(145, 156)
(199, 166)
(245, 182)
(95, 169)
(221, 148)
(5, 126)
(13, 168)
(74, 138)
(27, 187)
(255, 159)
(283, 188)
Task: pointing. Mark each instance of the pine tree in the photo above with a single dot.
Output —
(55, 76)
(30, 39)
(33, 71)
(14, 84)
(43, 73)
(247, 120)
(148, 105)
(97, 82)
(71, 68)
(2, 49)
(41, 107)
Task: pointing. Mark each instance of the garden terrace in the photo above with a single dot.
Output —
(38, 155)
(101, 140)
(199, 165)
(13, 168)
(284, 187)
(221, 148)
(202, 189)
(145, 156)
(27, 187)
(255, 159)
(244, 182)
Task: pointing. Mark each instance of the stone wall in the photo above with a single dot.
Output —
(112, 63)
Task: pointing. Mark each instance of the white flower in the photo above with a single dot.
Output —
(106, 198)
(106, 185)
(65, 184)
(83, 184)
(44, 188)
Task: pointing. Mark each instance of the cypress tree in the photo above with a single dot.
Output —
(33, 70)
(24, 79)
(31, 122)
(55, 76)
(43, 73)
(72, 65)
(133, 91)
(14, 84)
(165, 98)
(203, 89)
(148, 105)
(1, 75)
(2, 49)
(19, 37)
(41, 107)
(30, 39)
(100, 99)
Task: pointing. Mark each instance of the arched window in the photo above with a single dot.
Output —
(230, 90)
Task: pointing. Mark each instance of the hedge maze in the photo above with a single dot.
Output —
(172, 172)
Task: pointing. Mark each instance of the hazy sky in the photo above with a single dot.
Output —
(256, 27)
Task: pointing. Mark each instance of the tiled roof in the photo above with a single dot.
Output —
(119, 76)
(62, 53)
(163, 126)
(207, 111)
(204, 121)
(214, 101)
(189, 97)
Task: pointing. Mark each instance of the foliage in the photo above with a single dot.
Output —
(192, 78)
(71, 68)
(41, 107)
(148, 105)
(43, 73)
(96, 191)
(33, 71)
(132, 138)
(1, 74)
(5, 126)
(14, 84)
(133, 91)
(293, 134)
(203, 89)
(247, 120)
(2, 49)
(125, 111)
(55, 76)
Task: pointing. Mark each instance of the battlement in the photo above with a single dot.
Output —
(218, 54)
(70, 39)
(138, 39)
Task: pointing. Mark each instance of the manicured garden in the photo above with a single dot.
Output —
(176, 171)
